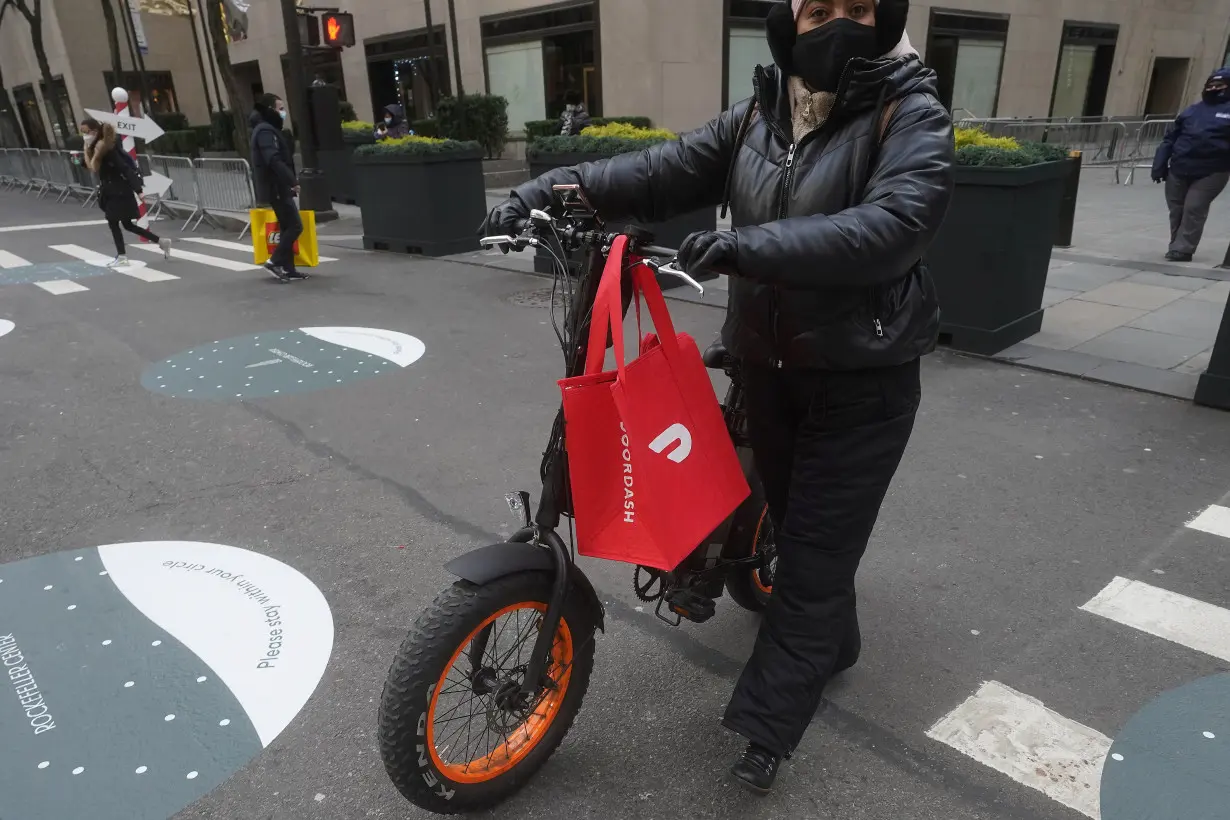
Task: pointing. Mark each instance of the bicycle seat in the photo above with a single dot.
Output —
(715, 356)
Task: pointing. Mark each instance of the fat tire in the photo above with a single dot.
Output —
(430, 644)
(740, 543)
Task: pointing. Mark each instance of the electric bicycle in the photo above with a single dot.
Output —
(492, 674)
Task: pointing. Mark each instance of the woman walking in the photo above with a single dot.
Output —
(119, 185)
(838, 171)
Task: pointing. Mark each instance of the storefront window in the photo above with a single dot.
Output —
(1086, 56)
(31, 118)
(408, 69)
(967, 52)
(10, 131)
(66, 108)
(746, 46)
(535, 59)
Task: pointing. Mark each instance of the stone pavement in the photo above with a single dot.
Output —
(1116, 311)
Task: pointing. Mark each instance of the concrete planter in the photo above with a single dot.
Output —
(670, 233)
(338, 167)
(429, 204)
(992, 254)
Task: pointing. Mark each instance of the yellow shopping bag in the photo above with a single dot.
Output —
(266, 233)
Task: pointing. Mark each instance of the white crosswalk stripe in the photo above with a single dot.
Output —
(11, 260)
(233, 246)
(202, 258)
(59, 287)
(183, 261)
(1035, 746)
(136, 269)
(1018, 736)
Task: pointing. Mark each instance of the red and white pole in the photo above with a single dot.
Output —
(120, 97)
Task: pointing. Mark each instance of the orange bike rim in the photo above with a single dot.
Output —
(767, 589)
(523, 738)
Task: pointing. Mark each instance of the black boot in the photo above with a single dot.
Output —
(756, 769)
(1179, 256)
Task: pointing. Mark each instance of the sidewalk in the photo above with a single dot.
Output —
(1116, 311)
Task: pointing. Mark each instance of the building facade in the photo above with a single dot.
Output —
(678, 62)
(158, 33)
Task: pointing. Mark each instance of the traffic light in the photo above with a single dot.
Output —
(337, 29)
(309, 30)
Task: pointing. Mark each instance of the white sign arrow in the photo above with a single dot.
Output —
(264, 363)
(143, 128)
(156, 185)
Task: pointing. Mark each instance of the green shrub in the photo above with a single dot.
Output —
(991, 156)
(204, 136)
(417, 146)
(346, 110)
(481, 118)
(176, 143)
(223, 123)
(171, 121)
(550, 128)
(426, 128)
(607, 140)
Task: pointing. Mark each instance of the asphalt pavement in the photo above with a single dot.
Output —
(989, 588)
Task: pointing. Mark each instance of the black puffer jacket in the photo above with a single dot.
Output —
(273, 163)
(829, 272)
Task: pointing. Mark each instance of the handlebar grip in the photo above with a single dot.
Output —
(657, 250)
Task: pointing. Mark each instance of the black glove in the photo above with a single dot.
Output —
(714, 251)
(1160, 176)
(505, 219)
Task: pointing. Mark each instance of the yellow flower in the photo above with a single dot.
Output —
(630, 132)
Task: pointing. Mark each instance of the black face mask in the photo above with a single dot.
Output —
(1212, 97)
(820, 55)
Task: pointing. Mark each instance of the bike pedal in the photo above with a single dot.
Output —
(691, 605)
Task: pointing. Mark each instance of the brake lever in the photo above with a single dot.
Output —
(671, 269)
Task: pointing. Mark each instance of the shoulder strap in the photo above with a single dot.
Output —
(744, 124)
(887, 117)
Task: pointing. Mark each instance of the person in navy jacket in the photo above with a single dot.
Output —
(1194, 162)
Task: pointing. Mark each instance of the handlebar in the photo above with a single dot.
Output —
(658, 258)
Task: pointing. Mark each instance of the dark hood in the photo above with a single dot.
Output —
(861, 89)
(397, 112)
(268, 116)
(1222, 74)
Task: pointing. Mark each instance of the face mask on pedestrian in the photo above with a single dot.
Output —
(820, 56)
(388, 120)
(88, 137)
(1216, 94)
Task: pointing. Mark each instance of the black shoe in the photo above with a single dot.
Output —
(756, 769)
(276, 271)
(295, 274)
(1175, 256)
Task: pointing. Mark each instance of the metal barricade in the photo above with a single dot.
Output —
(183, 191)
(224, 185)
(38, 172)
(59, 173)
(84, 184)
(9, 168)
(1149, 137)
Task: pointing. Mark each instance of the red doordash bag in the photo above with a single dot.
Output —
(653, 470)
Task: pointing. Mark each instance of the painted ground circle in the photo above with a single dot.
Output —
(1172, 759)
(6, 327)
(282, 362)
(139, 677)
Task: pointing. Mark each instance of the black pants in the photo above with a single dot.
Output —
(291, 226)
(826, 446)
(131, 227)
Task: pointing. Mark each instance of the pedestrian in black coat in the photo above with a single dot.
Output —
(275, 182)
(119, 186)
(838, 171)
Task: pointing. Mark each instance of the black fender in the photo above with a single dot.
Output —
(496, 561)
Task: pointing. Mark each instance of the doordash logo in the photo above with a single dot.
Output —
(629, 495)
(675, 433)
